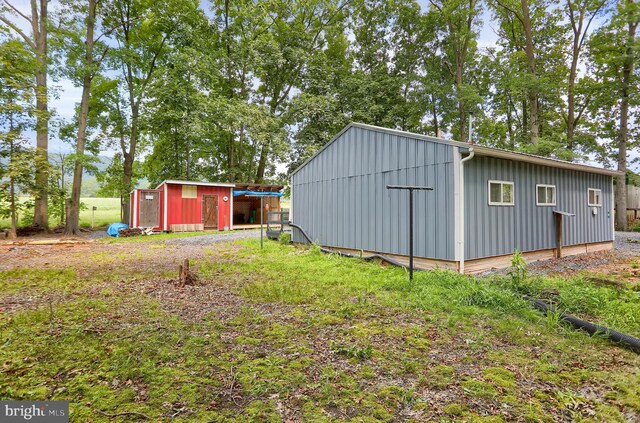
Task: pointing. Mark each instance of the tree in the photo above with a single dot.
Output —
(38, 20)
(63, 165)
(581, 14)
(16, 93)
(533, 43)
(295, 35)
(112, 183)
(78, 44)
(615, 49)
(141, 31)
(457, 42)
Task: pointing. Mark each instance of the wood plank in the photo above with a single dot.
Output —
(504, 261)
(602, 246)
(187, 227)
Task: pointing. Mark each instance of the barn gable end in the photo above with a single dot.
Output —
(340, 196)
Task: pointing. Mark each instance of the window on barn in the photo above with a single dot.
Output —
(189, 191)
(500, 193)
(545, 195)
(595, 197)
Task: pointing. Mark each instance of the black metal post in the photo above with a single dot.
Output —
(410, 188)
(410, 234)
(261, 221)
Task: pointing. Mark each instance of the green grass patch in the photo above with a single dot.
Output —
(29, 281)
(320, 337)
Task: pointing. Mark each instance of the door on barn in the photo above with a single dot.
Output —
(149, 209)
(210, 211)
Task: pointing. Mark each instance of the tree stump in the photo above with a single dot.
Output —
(185, 277)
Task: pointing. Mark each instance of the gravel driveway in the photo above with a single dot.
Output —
(213, 238)
(627, 242)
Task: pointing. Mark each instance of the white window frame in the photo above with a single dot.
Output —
(599, 191)
(501, 203)
(538, 203)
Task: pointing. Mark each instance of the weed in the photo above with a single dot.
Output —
(478, 388)
(438, 377)
(354, 351)
(284, 238)
(518, 270)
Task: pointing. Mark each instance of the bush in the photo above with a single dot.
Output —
(284, 238)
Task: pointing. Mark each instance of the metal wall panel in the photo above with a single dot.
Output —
(498, 230)
(340, 197)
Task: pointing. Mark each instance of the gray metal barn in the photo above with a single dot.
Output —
(486, 202)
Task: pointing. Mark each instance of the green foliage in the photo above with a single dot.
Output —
(353, 351)
(518, 270)
(112, 181)
(284, 238)
(17, 159)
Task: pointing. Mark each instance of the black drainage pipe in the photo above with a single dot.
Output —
(627, 341)
(340, 253)
(592, 329)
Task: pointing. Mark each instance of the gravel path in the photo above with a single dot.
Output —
(627, 242)
(213, 238)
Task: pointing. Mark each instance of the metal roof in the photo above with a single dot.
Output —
(480, 150)
(259, 187)
(205, 184)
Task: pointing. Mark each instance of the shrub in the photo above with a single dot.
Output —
(284, 238)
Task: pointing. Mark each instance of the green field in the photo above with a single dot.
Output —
(107, 211)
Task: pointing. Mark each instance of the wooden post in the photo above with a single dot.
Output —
(558, 235)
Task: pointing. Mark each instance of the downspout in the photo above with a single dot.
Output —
(461, 214)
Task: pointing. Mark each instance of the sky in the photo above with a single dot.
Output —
(65, 96)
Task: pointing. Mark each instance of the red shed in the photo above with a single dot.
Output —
(183, 206)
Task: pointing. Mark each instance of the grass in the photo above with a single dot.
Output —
(107, 212)
(284, 333)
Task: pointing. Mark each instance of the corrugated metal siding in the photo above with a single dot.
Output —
(189, 210)
(497, 230)
(340, 197)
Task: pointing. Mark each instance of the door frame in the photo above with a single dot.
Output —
(140, 194)
(217, 223)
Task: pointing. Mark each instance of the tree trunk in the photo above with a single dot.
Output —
(573, 72)
(126, 182)
(436, 125)
(39, 25)
(461, 108)
(623, 135)
(534, 118)
(238, 168)
(262, 164)
(72, 226)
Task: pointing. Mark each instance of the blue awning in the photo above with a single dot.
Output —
(237, 193)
